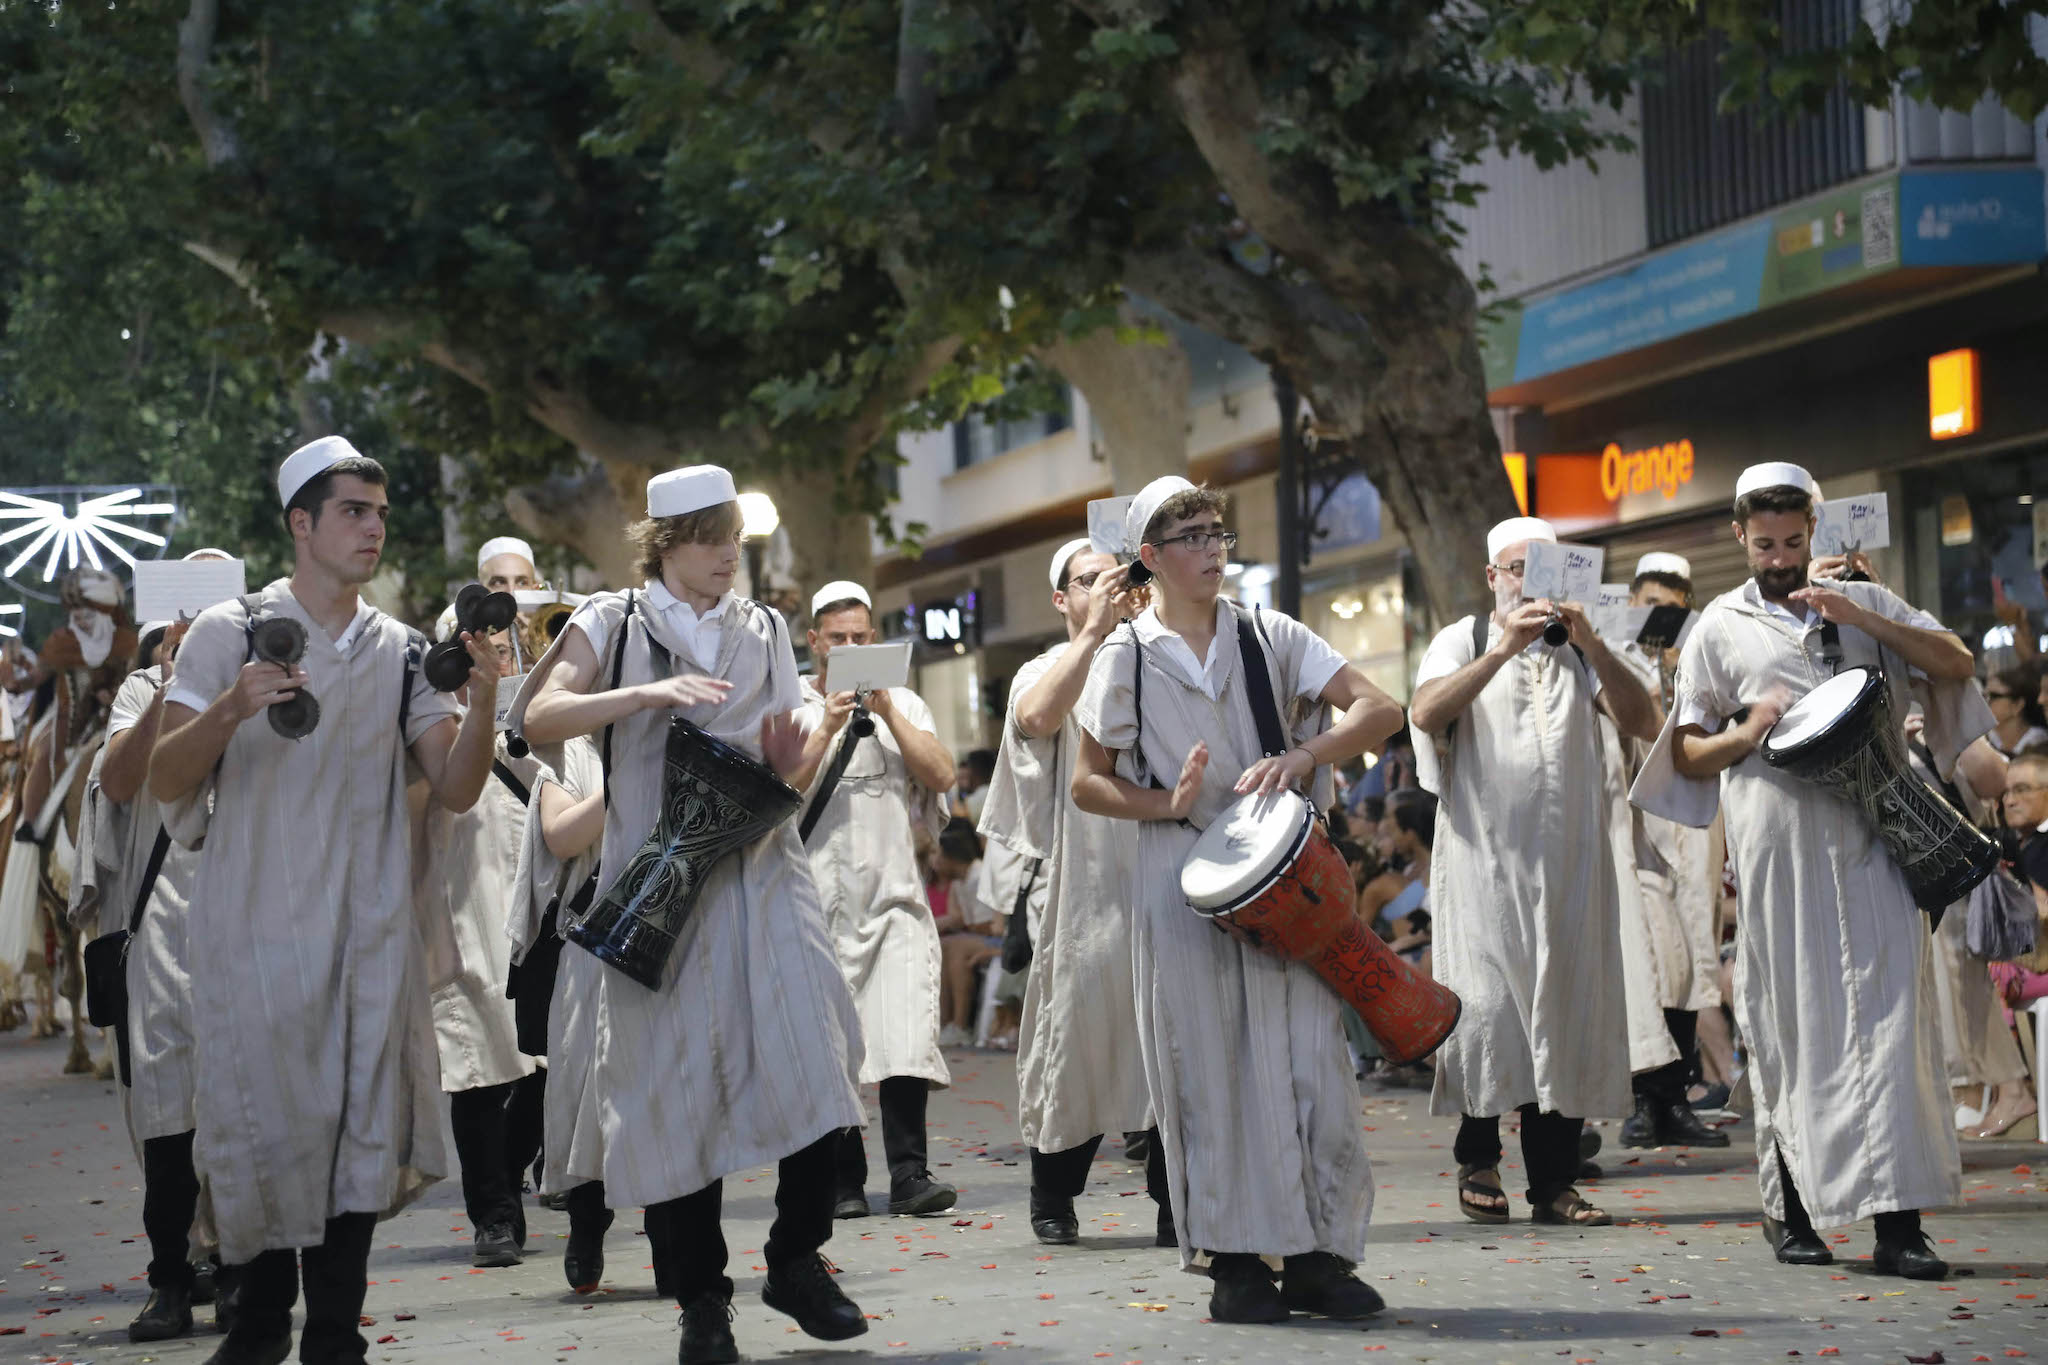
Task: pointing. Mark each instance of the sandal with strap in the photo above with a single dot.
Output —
(1470, 1188)
(1572, 1209)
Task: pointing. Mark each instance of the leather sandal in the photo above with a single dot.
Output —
(1470, 1188)
(1571, 1209)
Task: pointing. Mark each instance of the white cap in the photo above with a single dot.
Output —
(1776, 474)
(97, 585)
(209, 550)
(1062, 555)
(1515, 530)
(1662, 561)
(690, 489)
(503, 545)
(1146, 505)
(142, 631)
(840, 590)
(309, 462)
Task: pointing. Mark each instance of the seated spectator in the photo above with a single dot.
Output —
(969, 933)
(2014, 694)
(971, 780)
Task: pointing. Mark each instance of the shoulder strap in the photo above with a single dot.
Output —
(840, 758)
(149, 875)
(1478, 635)
(511, 781)
(1259, 686)
(415, 651)
(604, 752)
(248, 604)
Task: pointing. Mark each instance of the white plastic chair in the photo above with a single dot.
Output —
(985, 1017)
(2039, 1009)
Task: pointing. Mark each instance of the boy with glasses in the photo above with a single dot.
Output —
(1244, 1051)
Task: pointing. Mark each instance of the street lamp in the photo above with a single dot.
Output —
(758, 520)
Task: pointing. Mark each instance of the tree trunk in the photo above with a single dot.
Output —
(828, 542)
(1137, 395)
(587, 510)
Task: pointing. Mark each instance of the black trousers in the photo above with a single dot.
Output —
(490, 1176)
(1064, 1175)
(1669, 1082)
(1550, 1149)
(334, 1274)
(170, 1198)
(903, 1139)
(525, 1121)
(691, 1240)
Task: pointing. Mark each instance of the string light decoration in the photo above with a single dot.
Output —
(7, 610)
(45, 532)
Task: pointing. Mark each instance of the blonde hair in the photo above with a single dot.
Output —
(1189, 502)
(653, 537)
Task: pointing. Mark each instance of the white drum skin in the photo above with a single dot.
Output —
(1813, 713)
(1255, 840)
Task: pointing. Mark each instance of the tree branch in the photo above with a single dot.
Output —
(195, 47)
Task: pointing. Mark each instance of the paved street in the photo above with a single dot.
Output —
(1686, 1278)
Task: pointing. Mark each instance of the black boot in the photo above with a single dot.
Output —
(1053, 1220)
(255, 1313)
(205, 1280)
(1138, 1147)
(1322, 1283)
(803, 1289)
(1902, 1248)
(851, 1204)
(707, 1330)
(245, 1347)
(496, 1246)
(1678, 1126)
(167, 1314)
(1164, 1233)
(920, 1194)
(1794, 1246)
(589, 1219)
(1244, 1291)
(1640, 1128)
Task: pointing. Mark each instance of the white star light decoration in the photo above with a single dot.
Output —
(63, 539)
(8, 609)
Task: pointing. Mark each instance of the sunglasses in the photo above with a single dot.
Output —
(2000, 696)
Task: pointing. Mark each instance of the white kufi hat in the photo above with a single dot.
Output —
(309, 462)
(503, 545)
(1143, 507)
(1776, 474)
(1663, 561)
(840, 590)
(1515, 530)
(1062, 555)
(690, 489)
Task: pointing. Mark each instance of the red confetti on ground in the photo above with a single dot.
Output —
(386, 1339)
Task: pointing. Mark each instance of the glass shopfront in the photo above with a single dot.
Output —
(1978, 534)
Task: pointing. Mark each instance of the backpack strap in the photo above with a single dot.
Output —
(415, 654)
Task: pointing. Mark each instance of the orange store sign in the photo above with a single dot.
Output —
(1665, 468)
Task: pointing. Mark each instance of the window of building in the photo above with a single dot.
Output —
(977, 438)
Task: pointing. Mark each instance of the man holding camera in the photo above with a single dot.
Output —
(1523, 886)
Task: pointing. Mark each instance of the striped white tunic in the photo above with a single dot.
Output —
(748, 1051)
(317, 1089)
(865, 864)
(1079, 1069)
(1244, 1051)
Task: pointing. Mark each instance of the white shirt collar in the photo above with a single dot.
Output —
(355, 626)
(1203, 673)
(1779, 609)
(666, 602)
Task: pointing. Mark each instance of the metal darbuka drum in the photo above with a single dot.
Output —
(1842, 736)
(715, 801)
(1266, 874)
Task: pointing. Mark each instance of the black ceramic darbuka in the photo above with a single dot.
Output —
(715, 801)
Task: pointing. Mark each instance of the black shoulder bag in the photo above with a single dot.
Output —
(1017, 950)
(106, 961)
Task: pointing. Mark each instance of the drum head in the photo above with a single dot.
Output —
(1814, 714)
(1245, 846)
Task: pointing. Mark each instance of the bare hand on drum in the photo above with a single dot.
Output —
(683, 689)
(1190, 784)
(1523, 625)
(1765, 711)
(1833, 605)
(1269, 775)
(260, 686)
(782, 743)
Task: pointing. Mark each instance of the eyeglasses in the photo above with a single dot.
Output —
(1513, 568)
(1084, 581)
(1989, 695)
(1199, 541)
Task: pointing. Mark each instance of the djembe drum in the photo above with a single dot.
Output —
(1842, 736)
(715, 801)
(1266, 874)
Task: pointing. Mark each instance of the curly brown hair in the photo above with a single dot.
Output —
(653, 537)
(1189, 502)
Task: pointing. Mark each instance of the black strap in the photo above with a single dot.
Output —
(1259, 687)
(1831, 647)
(1946, 787)
(512, 782)
(149, 875)
(1479, 623)
(1017, 951)
(415, 651)
(848, 741)
(604, 751)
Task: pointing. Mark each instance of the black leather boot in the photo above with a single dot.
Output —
(921, 1194)
(1640, 1128)
(1902, 1248)
(803, 1288)
(168, 1314)
(1795, 1246)
(1679, 1126)
(1323, 1283)
(1243, 1291)
(1053, 1220)
(707, 1330)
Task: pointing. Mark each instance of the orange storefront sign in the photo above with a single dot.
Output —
(1665, 468)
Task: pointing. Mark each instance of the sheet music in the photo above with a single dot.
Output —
(852, 668)
(166, 589)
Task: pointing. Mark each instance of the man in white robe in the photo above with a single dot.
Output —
(1671, 911)
(1245, 1060)
(746, 1052)
(468, 864)
(316, 1098)
(1524, 890)
(1834, 981)
(894, 776)
(1079, 1071)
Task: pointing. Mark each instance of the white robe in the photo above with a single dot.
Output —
(317, 1087)
(1525, 899)
(865, 863)
(1079, 1070)
(572, 1134)
(748, 1051)
(1834, 986)
(1244, 1051)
